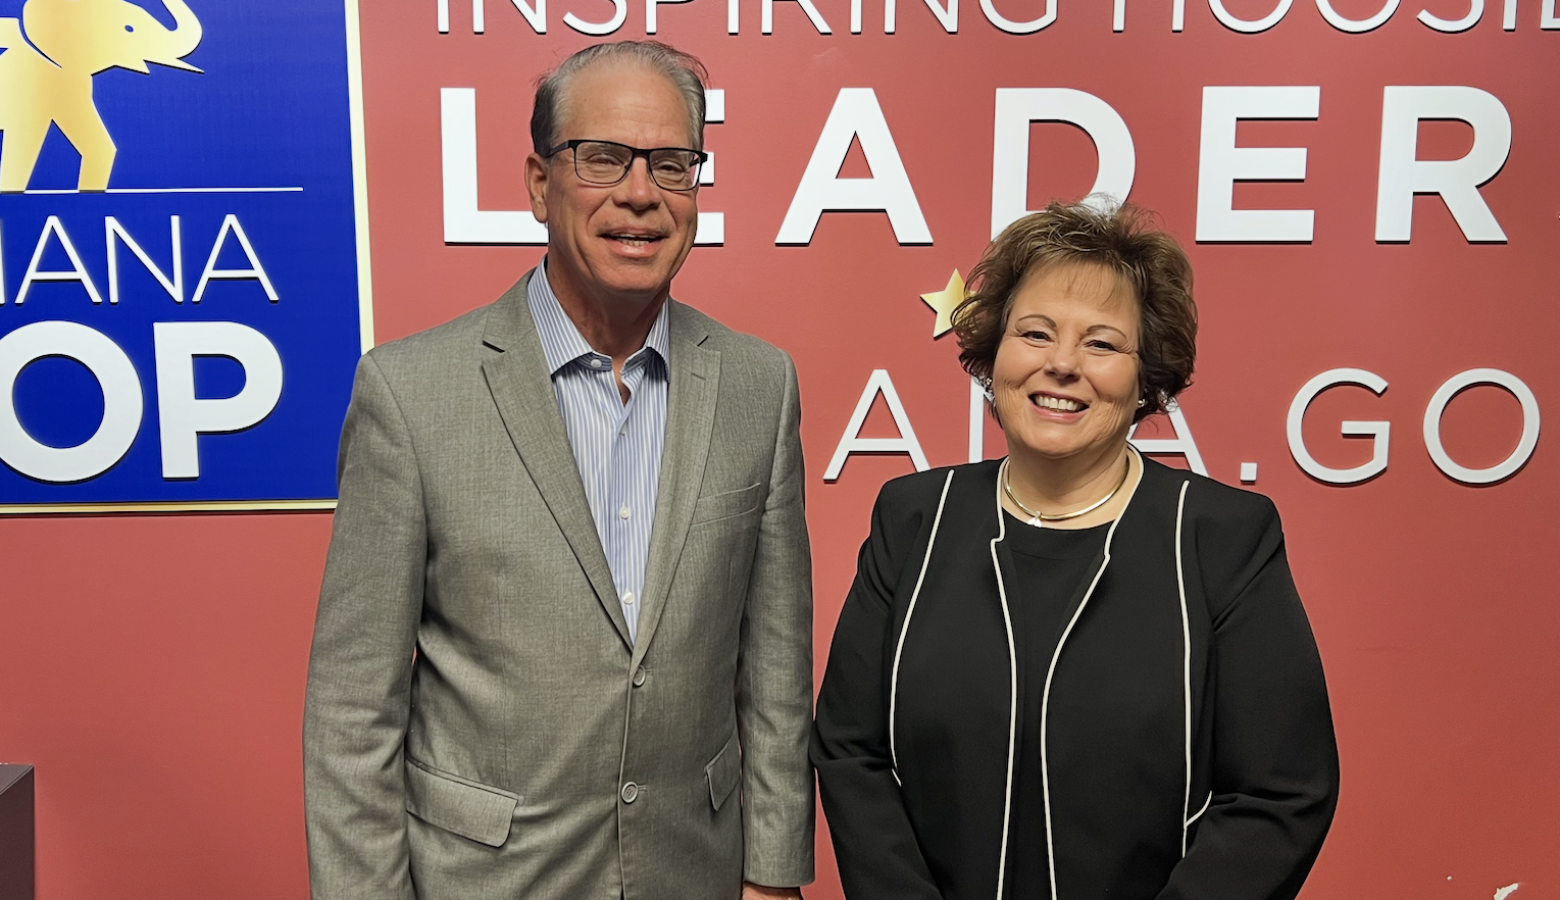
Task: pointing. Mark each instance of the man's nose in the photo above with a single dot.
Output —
(637, 188)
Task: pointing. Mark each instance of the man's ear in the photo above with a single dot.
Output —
(536, 175)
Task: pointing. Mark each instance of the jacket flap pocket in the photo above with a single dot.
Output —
(730, 503)
(723, 772)
(466, 808)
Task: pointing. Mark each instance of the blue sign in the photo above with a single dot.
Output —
(180, 309)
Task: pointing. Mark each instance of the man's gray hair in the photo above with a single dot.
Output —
(684, 71)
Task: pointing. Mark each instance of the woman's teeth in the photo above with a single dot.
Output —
(1058, 403)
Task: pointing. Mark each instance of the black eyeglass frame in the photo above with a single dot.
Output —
(700, 158)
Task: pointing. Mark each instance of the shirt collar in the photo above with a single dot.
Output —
(562, 342)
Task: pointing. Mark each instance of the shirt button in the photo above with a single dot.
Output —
(623, 430)
(630, 792)
(628, 597)
(639, 676)
(595, 362)
(623, 513)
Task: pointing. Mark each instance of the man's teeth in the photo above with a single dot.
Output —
(1058, 403)
(635, 239)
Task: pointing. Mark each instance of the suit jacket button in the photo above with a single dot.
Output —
(630, 792)
(639, 676)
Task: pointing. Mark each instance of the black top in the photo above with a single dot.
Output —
(1051, 565)
(1189, 749)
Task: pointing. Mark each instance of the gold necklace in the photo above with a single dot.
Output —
(1035, 517)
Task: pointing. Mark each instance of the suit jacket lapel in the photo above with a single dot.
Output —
(523, 391)
(690, 420)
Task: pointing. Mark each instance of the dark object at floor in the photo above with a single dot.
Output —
(16, 832)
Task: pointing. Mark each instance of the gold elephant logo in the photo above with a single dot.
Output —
(47, 60)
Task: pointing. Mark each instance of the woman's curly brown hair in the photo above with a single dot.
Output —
(1122, 240)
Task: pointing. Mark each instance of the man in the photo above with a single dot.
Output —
(564, 640)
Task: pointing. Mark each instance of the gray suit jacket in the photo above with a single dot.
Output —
(477, 723)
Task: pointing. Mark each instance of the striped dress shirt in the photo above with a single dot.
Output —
(617, 446)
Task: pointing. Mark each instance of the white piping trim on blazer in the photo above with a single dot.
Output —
(1206, 803)
(1045, 699)
(1186, 665)
(1007, 620)
(899, 648)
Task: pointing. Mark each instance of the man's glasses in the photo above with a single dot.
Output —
(606, 163)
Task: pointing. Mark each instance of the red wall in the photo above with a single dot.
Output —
(152, 667)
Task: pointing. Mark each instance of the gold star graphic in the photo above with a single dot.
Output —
(945, 302)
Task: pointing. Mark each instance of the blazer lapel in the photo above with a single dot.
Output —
(523, 391)
(690, 420)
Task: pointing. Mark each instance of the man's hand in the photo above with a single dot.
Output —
(751, 891)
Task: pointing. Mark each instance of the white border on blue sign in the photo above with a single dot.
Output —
(365, 320)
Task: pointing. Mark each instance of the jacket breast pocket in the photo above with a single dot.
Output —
(723, 772)
(727, 504)
(471, 810)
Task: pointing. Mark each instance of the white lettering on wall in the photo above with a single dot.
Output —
(850, 443)
(1525, 444)
(1457, 181)
(1547, 18)
(174, 286)
(77, 272)
(1379, 432)
(181, 416)
(464, 223)
(1221, 163)
(1012, 27)
(856, 115)
(977, 420)
(122, 402)
(712, 225)
(650, 5)
(1249, 26)
(171, 280)
(535, 15)
(1016, 109)
(1452, 26)
(1182, 444)
(1356, 26)
(1177, 15)
(255, 271)
(766, 16)
(947, 16)
(619, 16)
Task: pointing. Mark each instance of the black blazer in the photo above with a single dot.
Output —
(1187, 747)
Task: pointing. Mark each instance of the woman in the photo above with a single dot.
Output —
(1075, 673)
